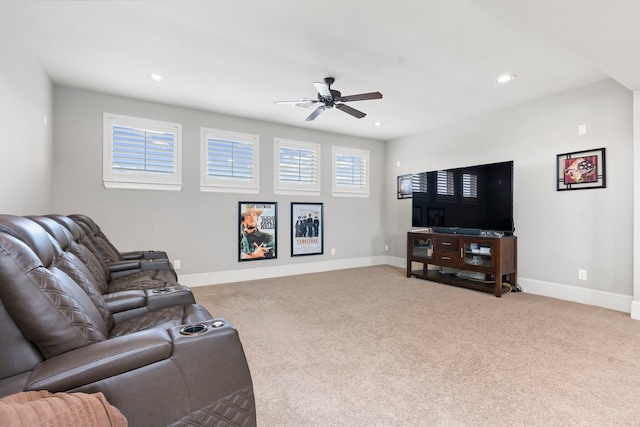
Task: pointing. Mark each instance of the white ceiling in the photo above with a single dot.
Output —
(435, 61)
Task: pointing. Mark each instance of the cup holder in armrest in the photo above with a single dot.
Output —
(196, 329)
(201, 328)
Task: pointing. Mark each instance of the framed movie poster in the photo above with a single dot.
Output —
(581, 170)
(258, 230)
(307, 229)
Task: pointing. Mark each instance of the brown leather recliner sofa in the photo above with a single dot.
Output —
(138, 296)
(156, 268)
(166, 366)
(111, 254)
(120, 276)
(110, 250)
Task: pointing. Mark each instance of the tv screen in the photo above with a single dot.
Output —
(470, 199)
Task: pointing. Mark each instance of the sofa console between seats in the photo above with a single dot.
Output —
(484, 263)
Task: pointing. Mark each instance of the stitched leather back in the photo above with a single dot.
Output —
(101, 239)
(50, 309)
(68, 243)
(74, 267)
(92, 256)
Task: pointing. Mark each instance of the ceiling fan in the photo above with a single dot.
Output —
(329, 98)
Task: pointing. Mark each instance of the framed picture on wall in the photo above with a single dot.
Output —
(405, 186)
(307, 229)
(258, 230)
(581, 170)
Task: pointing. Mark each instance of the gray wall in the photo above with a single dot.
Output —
(25, 141)
(200, 228)
(558, 232)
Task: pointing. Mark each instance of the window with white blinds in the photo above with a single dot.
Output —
(141, 153)
(350, 172)
(229, 161)
(469, 185)
(297, 167)
(445, 184)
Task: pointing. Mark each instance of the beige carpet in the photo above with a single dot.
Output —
(369, 347)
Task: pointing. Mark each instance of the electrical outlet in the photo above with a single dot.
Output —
(386, 247)
(176, 264)
(333, 251)
(582, 274)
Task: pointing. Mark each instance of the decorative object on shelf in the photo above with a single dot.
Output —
(405, 186)
(307, 229)
(581, 170)
(258, 230)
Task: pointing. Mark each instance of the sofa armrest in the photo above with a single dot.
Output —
(144, 255)
(213, 357)
(159, 376)
(169, 296)
(125, 267)
(101, 360)
(125, 300)
(128, 304)
(155, 264)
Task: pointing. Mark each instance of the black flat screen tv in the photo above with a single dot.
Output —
(468, 200)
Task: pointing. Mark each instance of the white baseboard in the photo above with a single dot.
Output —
(396, 262)
(216, 278)
(597, 298)
(609, 300)
(635, 310)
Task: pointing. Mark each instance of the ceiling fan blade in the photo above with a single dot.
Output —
(315, 113)
(303, 103)
(323, 89)
(361, 97)
(355, 113)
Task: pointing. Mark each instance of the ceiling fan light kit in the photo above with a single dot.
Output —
(329, 98)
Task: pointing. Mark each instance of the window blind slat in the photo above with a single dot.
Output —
(230, 159)
(351, 170)
(143, 150)
(297, 165)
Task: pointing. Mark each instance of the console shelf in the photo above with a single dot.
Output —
(483, 262)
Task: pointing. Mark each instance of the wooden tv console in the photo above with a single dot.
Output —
(441, 255)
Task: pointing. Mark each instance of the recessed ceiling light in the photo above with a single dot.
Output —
(505, 78)
(156, 77)
(377, 124)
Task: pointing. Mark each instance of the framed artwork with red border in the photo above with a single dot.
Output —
(581, 170)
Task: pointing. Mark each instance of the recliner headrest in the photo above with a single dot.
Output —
(55, 229)
(31, 234)
(84, 219)
(69, 224)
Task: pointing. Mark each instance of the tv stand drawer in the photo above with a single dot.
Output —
(447, 258)
(446, 243)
